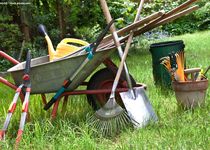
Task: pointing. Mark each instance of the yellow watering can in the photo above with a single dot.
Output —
(64, 48)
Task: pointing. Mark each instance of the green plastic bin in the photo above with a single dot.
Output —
(159, 50)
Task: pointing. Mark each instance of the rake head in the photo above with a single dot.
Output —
(110, 119)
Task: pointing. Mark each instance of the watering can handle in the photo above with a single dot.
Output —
(42, 29)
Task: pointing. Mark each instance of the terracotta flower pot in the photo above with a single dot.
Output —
(190, 94)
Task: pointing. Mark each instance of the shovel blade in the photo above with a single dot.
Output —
(139, 109)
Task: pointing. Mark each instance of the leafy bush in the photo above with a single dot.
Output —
(10, 39)
(203, 17)
(88, 34)
(10, 35)
(123, 11)
(85, 20)
(198, 20)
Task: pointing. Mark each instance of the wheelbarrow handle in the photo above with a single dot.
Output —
(9, 58)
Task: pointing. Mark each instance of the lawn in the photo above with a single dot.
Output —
(176, 128)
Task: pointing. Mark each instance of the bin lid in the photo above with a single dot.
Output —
(167, 43)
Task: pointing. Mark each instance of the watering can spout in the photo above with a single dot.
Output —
(51, 50)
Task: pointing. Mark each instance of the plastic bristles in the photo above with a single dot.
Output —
(112, 126)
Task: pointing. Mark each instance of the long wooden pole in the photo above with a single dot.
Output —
(165, 20)
(130, 38)
(168, 17)
(119, 48)
(135, 25)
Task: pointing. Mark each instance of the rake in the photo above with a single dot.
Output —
(112, 118)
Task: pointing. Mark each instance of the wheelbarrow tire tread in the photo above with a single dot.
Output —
(95, 81)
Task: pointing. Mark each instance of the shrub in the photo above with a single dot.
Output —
(203, 17)
(10, 39)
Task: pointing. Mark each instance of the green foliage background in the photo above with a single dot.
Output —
(84, 19)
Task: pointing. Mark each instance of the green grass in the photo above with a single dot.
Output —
(176, 129)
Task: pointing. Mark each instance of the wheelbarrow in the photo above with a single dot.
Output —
(43, 74)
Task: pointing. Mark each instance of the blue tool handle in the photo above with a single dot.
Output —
(54, 98)
(58, 94)
(42, 29)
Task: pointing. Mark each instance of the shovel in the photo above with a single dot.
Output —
(139, 109)
(136, 103)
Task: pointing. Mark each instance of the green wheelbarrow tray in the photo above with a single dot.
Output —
(47, 77)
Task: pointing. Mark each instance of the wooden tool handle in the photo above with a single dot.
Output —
(108, 19)
(117, 43)
(180, 8)
(136, 25)
(130, 38)
(154, 24)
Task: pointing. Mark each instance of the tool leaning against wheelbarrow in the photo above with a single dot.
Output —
(112, 117)
(90, 50)
(26, 88)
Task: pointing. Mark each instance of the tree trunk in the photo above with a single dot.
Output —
(24, 25)
(61, 19)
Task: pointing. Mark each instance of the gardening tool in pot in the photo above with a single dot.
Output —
(206, 71)
(26, 87)
(201, 75)
(174, 66)
(91, 50)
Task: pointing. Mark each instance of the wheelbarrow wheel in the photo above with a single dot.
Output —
(103, 79)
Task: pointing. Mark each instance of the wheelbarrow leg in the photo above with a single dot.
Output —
(55, 108)
(44, 100)
(110, 65)
(65, 100)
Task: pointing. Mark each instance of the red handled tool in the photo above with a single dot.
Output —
(25, 87)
